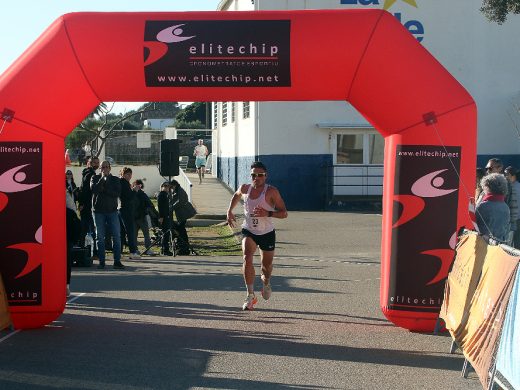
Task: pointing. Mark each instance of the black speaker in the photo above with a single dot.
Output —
(169, 163)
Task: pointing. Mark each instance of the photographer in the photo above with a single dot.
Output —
(163, 203)
(106, 190)
(183, 211)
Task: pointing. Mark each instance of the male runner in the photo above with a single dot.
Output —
(261, 203)
(200, 152)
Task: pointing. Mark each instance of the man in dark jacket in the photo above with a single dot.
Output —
(85, 202)
(106, 190)
(144, 206)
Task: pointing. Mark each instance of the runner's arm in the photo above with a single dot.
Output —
(280, 211)
(231, 219)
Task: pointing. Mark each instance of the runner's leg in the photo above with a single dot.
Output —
(267, 265)
(248, 269)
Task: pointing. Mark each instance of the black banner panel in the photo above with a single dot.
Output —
(21, 221)
(217, 53)
(426, 190)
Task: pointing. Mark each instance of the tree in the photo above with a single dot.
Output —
(497, 10)
(96, 128)
(192, 117)
(161, 110)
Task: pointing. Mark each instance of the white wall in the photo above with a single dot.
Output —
(481, 55)
(278, 134)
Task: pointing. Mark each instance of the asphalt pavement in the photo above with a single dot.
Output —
(176, 323)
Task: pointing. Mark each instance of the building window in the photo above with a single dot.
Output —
(224, 114)
(359, 148)
(349, 149)
(376, 148)
(245, 112)
(233, 112)
(215, 115)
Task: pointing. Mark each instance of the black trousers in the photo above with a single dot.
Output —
(165, 228)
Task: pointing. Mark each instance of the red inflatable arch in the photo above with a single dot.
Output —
(364, 57)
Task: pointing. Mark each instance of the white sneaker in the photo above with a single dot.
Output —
(250, 302)
(266, 290)
(134, 256)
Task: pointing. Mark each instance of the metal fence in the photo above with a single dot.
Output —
(134, 147)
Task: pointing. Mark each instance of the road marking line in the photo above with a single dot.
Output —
(19, 330)
(76, 297)
(10, 334)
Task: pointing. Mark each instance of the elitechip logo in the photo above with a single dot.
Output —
(221, 53)
(415, 27)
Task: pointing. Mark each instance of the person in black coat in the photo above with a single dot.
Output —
(183, 210)
(141, 217)
(71, 186)
(85, 203)
(127, 212)
(163, 204)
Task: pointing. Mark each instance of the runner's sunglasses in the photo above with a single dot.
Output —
(254, 175)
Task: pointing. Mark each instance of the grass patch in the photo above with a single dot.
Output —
(214, 240)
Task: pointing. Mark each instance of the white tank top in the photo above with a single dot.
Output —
(257, 225)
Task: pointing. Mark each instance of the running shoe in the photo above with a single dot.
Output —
(266, 291)
(250, 302)
(134, 256)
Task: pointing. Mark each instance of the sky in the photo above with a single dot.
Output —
(25, 20)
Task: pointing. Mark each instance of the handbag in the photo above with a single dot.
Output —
(185, 211)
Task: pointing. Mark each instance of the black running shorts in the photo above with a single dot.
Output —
(266, 241)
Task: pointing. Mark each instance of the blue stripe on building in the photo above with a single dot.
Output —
(305, 181)
(302, 179)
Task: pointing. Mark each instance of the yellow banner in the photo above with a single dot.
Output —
(479, 337)
(462, 281)
(5, 318)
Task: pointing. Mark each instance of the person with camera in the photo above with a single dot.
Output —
(165, 223)
(106, 190)
(183, 210)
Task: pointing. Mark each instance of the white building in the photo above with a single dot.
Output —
(320, 153)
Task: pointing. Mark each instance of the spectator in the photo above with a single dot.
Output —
(106, 190)
(495, 165)
(71, 186)
(85, 203)
(511, 175)
(142, 217)
(481, 172)
(492, 212)
(163, 203)
(126, 212)
(183, 211)
(73, 227)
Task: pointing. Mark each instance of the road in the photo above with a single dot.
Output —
(176, 323)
